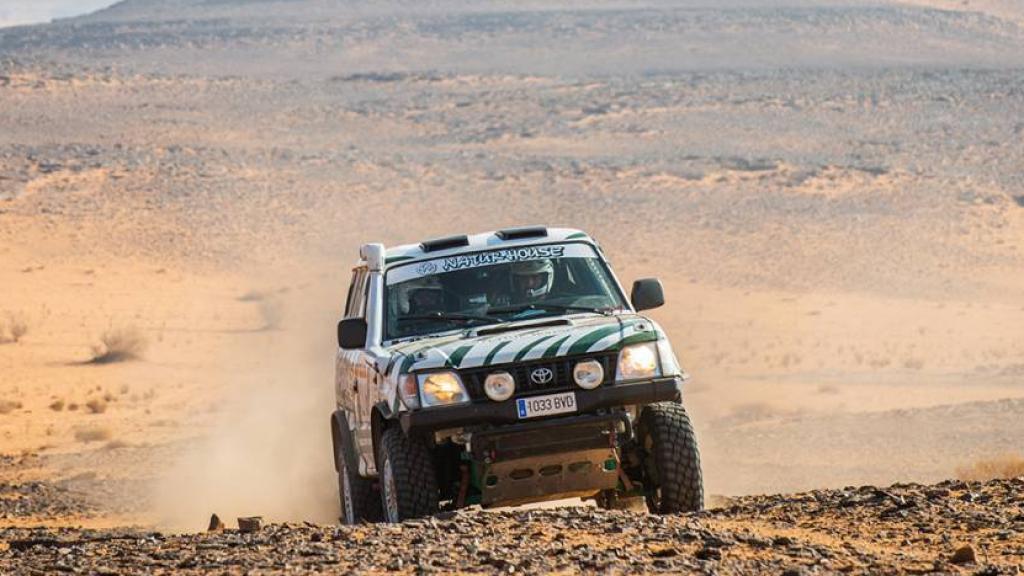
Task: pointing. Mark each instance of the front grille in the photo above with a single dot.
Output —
(474, 378)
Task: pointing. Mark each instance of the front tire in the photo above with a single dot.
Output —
(671, 460)
(407, 477)
(358, 495)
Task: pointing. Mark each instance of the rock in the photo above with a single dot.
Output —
(707, 553)
(216, 525)
(780, 541)
(668, 552)
(964, 555)
(250, 524)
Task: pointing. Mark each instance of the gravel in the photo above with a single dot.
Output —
(901, 529)
(37, 499)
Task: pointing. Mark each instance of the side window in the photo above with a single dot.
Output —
(351, 292)
(356, 305)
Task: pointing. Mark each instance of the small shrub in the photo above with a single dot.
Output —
(8, 406)
(913, 363)
(72, 407)
(88, 435)
(251, 296)
(1005, 466)
(57, 405)
(96, 406)
(12, 329)
(119, 345)
(17, 328)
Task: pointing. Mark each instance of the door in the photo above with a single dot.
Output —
(350, 367)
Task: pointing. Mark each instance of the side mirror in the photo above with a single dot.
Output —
(647, 293)
(352, 333)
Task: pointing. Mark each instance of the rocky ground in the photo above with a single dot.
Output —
(952, 527)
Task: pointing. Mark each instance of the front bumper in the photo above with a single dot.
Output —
(587, 401)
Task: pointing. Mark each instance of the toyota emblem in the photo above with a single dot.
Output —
(541, 375)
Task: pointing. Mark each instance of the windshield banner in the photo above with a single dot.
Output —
(478, 259)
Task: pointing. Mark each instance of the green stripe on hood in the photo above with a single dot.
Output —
(494, 351)
(553, 348)
(456, 357)
(583, 344)
(638, 338)
(526, 349)
(406, 364)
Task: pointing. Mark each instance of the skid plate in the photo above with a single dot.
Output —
(548, 477)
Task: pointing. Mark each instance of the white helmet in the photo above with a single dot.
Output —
(423, 296)
(532, 278)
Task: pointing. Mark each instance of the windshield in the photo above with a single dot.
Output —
(496, 286)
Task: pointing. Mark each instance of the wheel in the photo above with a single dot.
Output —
(673, 481)
(407, 478)
(358, 495)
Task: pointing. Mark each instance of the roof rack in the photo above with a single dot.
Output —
(522, 232)
(444, 243)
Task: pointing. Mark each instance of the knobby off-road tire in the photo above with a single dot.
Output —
(407, 477)
(671, 460)
(359, 496)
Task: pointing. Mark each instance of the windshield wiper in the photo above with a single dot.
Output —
(545, 307)
(451, 317)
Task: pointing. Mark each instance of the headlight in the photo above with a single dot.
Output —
(441, 389)
(588, 374)
(499, 386)
(638, 361)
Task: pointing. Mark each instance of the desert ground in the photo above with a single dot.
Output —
(832, 193)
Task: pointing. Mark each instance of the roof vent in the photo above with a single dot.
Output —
(444, 243)
(522, 232)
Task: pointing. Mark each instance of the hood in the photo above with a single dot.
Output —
(527, 340)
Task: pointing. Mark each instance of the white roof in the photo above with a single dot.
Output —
(482, 241)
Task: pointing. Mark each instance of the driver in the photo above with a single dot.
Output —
(532, 280)
(426, 299)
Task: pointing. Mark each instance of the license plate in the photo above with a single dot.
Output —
(546, 405)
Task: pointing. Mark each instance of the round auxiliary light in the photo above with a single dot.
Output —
(588, 374)
(499, 386)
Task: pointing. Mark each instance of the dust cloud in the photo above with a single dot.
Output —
(269, 454)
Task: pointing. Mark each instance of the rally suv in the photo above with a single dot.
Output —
(504, 368)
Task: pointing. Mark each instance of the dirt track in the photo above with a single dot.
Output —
(909, 529)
